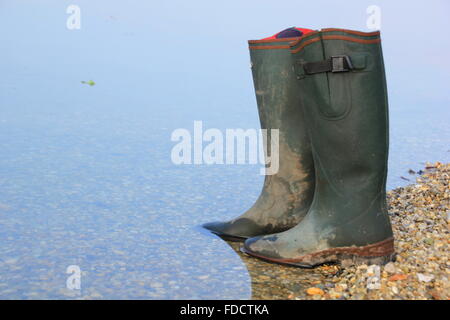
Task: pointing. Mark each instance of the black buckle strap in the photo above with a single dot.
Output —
(341, 63)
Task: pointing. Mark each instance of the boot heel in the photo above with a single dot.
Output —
(378, 253)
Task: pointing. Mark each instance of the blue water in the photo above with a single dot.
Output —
(85, 171)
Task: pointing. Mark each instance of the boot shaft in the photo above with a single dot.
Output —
(278, 99)
(276, 90)
(341, 74)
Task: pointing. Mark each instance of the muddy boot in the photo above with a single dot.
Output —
(343, 87)
(287, 194)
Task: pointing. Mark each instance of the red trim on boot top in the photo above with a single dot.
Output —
(303, 30)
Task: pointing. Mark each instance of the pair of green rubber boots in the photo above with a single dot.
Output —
(326, 93)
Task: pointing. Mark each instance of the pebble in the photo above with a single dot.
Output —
(424, 278)
(314, 291)
(390, 268)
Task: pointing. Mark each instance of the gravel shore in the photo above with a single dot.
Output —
(420, 216)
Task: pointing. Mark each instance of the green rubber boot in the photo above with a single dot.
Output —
(340, 74)
(287, 194)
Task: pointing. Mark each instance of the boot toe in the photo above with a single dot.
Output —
(262, 247)
(223, 230)
(240, 229)
(216, 226)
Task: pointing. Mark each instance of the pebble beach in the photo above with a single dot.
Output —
(420, 216)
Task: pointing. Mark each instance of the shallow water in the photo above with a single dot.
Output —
(86, 176)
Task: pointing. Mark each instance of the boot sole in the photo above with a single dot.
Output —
(378, 253)
(230, 238)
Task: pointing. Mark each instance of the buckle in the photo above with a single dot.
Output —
(341, 63)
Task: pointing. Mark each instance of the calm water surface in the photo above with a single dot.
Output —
(86, 177)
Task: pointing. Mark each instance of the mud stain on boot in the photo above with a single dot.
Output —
(286, 196)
